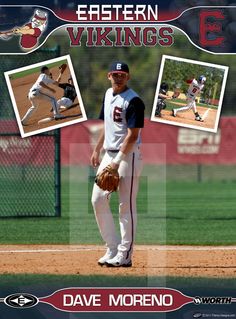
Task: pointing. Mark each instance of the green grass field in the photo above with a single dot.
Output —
(56, 282)
(174, 208)
(173, 212)
(21, 74)
(170, 104)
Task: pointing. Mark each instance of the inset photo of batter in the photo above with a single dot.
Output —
(45, 96)
(189, 93)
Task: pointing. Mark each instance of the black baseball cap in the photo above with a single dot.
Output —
(119, 67)
(44, 68)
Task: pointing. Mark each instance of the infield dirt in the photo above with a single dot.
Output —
(187, 117)
(21, 88)
(184, 261)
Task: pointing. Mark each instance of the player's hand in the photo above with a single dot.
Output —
(53, 91)
(114, 165)
(16, 30)
(95, 159)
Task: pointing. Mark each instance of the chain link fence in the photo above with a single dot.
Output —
(29, 167)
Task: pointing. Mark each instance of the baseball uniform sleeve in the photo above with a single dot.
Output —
(189, 81)
(47, 80)
(62, 85)
(37, 32)
(135, 113)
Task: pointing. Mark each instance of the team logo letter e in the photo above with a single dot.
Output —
(117, 114)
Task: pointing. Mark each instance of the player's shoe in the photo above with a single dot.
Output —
(198, 118)
(110, 253)
(157, 114)
(51, 109)
(23, 123)
(58, 116)
(174, 112)
(119, 261)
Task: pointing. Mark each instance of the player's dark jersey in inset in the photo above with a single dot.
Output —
(69, 91)
(161, 105)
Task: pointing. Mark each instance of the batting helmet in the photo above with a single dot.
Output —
(202, 79)
(164, 87)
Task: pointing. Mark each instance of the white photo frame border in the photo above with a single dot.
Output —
(14, 103)
(164, 58)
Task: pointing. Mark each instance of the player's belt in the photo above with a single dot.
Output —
(113, 151)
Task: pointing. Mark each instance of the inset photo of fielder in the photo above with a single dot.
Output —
(45, 96)
(189, 93)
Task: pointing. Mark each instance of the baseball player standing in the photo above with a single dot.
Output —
(39, 92)
(123, 115)
(195, 87)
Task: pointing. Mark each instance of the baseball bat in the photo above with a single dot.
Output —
(9, 32)
(6, 35)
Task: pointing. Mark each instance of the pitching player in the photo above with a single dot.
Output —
(123, 115)
(39, 92)
(162, 96)
(195, 87)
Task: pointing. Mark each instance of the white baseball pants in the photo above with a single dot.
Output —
(129, 170)
(190, 105)
(35, 96)
(64, 103)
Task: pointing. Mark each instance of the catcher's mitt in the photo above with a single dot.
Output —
(176, 93)
(108, 179)
(62, 67)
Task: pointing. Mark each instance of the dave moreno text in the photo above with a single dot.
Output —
(127, 300)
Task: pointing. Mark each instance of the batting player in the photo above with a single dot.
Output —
(123, 115)
(195, 87)
(39, 92)
(31, 32)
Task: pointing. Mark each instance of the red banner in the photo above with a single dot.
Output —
(117, 299)
(183, 146)
(35, 151)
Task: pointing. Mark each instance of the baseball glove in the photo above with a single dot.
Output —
(108, 179)
(176, 93)
(62, 68)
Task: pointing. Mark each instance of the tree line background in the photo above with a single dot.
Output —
(91, 67)
(175, 73)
